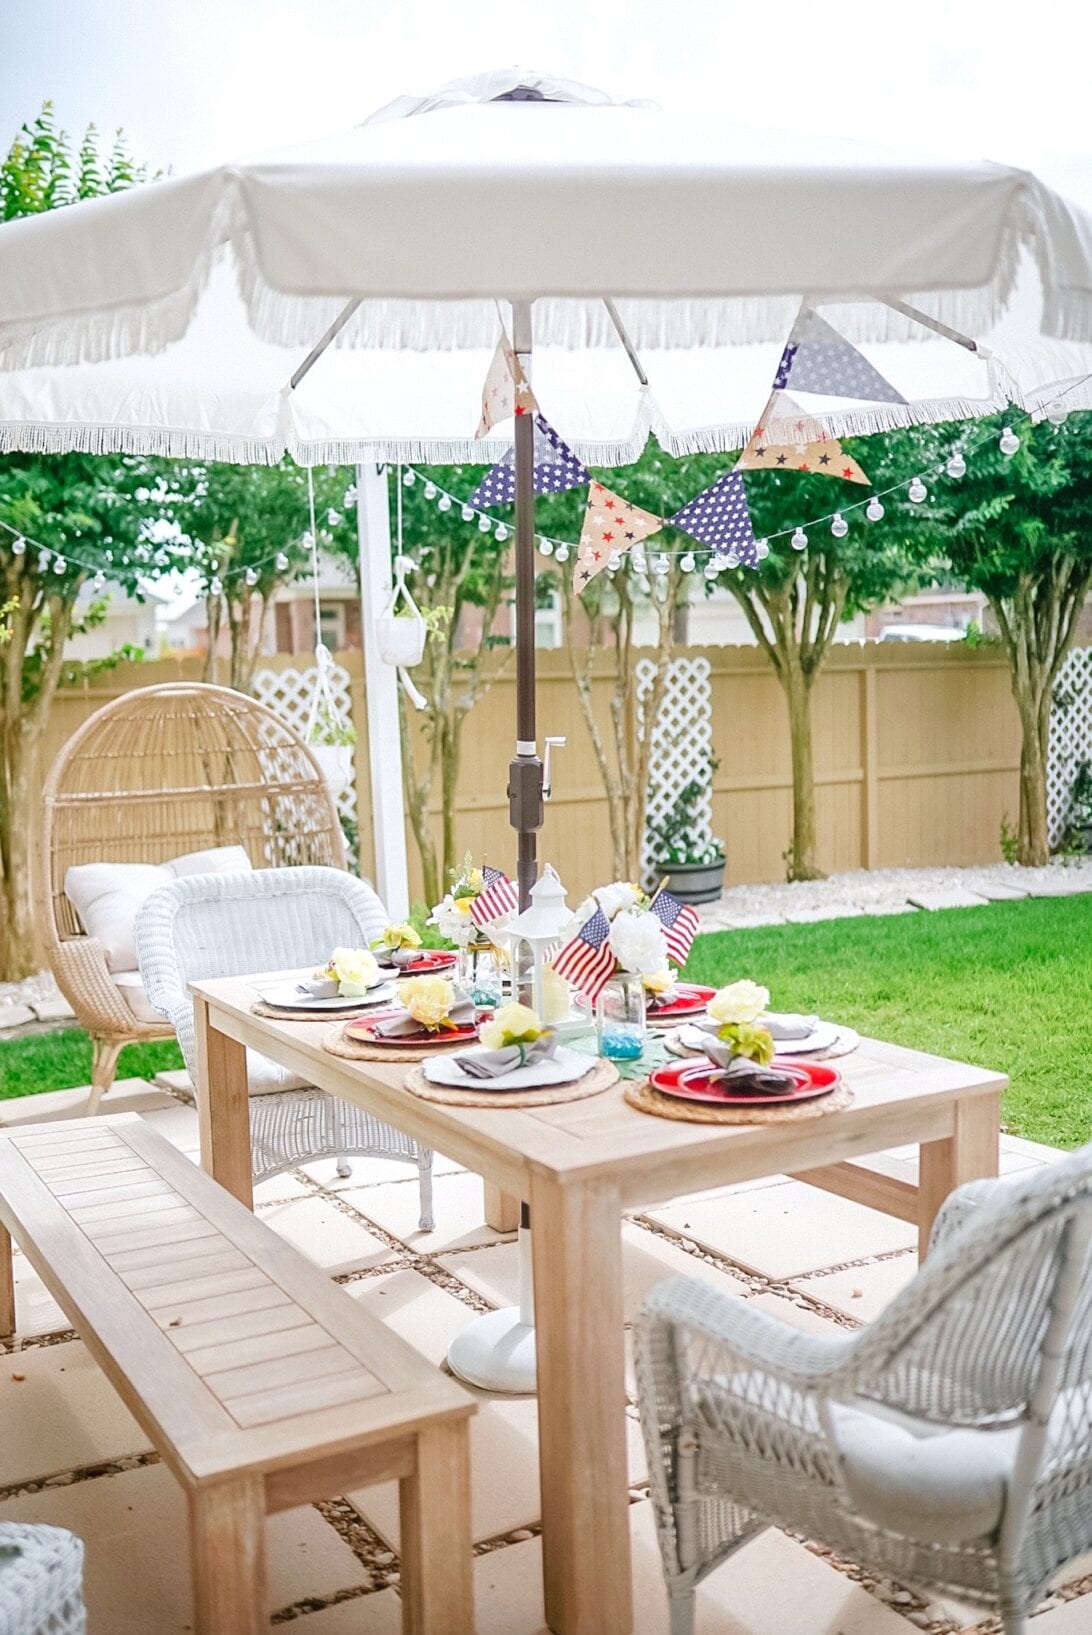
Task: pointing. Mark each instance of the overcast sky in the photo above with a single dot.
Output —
(195, 82)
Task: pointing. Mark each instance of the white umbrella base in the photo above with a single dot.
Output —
(496, 1353)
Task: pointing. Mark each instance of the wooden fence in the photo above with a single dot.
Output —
(916, 756)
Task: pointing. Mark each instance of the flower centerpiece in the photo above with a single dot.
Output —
(399, 944)
(479, 899)
(618, 938)
(349, 972)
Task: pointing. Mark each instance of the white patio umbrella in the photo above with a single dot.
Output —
(341, 301)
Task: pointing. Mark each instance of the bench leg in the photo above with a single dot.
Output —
(7, 1285)
(227, 1543)
(437, 1588)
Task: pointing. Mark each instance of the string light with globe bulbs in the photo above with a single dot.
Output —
(691, 558)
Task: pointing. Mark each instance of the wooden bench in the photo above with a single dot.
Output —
(261, 1383)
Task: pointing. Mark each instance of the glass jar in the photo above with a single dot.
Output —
(620, 1018)
(478, 974)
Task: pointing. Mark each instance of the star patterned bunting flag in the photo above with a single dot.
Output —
(719, 517)
(506, 391)
(611, 525)
(818, 359)
(824, 457)
(556, 470)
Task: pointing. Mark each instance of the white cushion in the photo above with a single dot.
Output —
(921, 1480)
(108, 896)
(131, 984)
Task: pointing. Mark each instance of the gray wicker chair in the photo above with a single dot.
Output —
(41, 1581)
(948, 1444)
(216, 925)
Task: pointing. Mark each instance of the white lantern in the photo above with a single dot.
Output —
(533, 938)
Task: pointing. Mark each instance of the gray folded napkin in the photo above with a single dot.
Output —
(462, 1010)
(318, 987)
(750, 1075)
(491, 1064)
(789, 1025)
(785, 1025)
(657, 1001)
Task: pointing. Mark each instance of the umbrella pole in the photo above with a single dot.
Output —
(525, 804)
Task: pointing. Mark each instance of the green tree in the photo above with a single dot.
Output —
(247, 529)
(1019, 529)
(79, 506)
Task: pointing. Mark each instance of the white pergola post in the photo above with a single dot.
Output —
(373, 520)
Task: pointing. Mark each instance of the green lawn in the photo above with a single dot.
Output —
(60, 1061)
(1008, 986)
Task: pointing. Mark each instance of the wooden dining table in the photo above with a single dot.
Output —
(579, 1165)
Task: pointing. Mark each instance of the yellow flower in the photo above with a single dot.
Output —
(660, 981)
(399, 936)
(354, 969)
(747, 1040)
(463, 905)
(476, 879)
(739, 1002)
(511, 1025)
(428, 1000)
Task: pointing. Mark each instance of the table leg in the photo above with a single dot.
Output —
(7, 1285)
(577, 1248)
(501, 1209)
(223, 1107)
(970, 1153)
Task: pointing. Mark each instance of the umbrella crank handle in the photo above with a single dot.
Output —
(547, 782)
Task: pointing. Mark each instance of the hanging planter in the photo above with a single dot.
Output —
(336, 765)
(401, 630)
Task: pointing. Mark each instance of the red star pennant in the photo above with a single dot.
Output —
(606, 534)
(506, 391)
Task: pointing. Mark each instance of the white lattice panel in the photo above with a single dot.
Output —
(1070, 736)
(289, 694)
(682, 738)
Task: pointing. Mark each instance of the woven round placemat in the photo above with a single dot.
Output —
(601, 1077)
(349, 1014)
(640, 1094)
(356, 1050)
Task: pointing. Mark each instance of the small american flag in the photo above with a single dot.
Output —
(497, 897)
(587, 960)
(680, 923)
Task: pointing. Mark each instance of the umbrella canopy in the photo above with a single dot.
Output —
(190, 305)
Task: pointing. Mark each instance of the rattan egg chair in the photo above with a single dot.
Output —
(158, 773)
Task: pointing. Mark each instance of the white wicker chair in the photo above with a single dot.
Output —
(41, 1581)
(948, 1444)
(216, 925)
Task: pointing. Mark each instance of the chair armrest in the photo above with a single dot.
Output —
(963, 1205)
(83, 976)
(743, 1337)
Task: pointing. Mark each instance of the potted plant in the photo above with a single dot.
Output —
(1078, 822)
(681, 845)
(332, 743)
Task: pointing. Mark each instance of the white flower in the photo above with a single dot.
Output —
(616, 897)
(637, 942)
(511, 1025)
(355, 970)
(452, 919)
(740, 1002)
(578, 918)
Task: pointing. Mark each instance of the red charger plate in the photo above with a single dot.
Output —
(365, 1030)
(691, 1082)
(428, 961)
(690, 1000)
